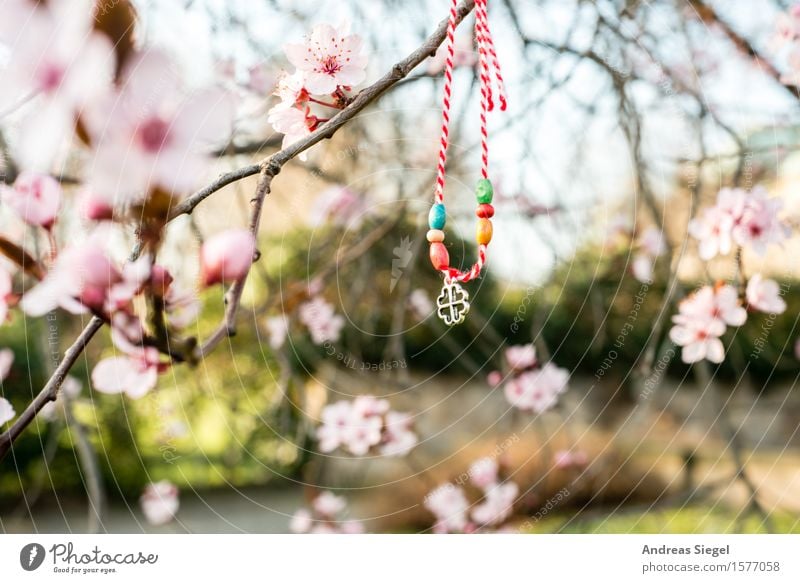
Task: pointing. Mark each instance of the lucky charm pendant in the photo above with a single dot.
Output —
(453, 303)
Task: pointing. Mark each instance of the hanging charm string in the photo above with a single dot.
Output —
(488, 64)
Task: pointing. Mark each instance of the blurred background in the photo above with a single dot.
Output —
(623, 116)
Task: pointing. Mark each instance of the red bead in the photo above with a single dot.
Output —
(485, 211)
(440, 258)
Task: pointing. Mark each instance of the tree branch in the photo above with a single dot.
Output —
(50, 390)
(268, 169)
(366, 96)
(709, 15)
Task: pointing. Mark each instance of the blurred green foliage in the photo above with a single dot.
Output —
(226, 421)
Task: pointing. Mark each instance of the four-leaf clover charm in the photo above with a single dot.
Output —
(452, 304)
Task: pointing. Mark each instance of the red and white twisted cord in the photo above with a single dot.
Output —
(450, 47)
(487, 59)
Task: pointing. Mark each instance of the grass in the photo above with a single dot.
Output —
(687, 520)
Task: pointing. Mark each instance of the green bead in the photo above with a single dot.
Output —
(484, 191)
(437, 216)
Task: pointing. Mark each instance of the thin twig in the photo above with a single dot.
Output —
(50, 390)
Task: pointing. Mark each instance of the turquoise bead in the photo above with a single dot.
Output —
(437, 216)
(484, 191)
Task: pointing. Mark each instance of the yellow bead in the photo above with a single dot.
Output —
(435, 236)
(484, 231)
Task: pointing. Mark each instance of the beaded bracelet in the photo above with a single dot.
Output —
(453, 301)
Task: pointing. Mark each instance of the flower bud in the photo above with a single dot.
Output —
(227, 257)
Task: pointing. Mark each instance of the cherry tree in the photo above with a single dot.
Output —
(112, 142)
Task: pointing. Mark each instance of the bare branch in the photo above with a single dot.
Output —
(50, 390)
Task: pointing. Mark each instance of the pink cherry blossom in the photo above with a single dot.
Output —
(95, 206)
(369, 406)
(226, 257)
(758, 225)
(701, 320)
(420, 304)
(301, 522)
(651, 245)
(484, 472)
(363, 424)
(84, 277)
(494, 378)
(713, 230)
(260, 79)
(497, 504)
(329, 58)
(335, 418)
(7, 412)
(566, 459)
(449, 505)
(133, 277)
(700, 340)
(537, 390)
(328, 504)
(160, 502)
(351, 527)
(464, 55)
(764, 295)
(6, 360)
(792, 76)
(727, 306)
(291, 90)
(181, 305)
(324, 517)
(651, 241)
(36, 198)
(57, 57)
(322, 322)
(226, 69)
(150, 135)
(338, 205)
(787, 28)
(6, 294)
(521, 357)
(642, 268)
(160, 281)
(295, 123)
(746, 218)
(277, 330)
(134, 373)
(398, 439)
(361, 433)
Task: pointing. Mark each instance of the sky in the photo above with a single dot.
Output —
(537, 160)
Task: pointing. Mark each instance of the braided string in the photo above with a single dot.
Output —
(448, 85)
(487, 60)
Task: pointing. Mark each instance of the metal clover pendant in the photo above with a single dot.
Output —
(452, 304)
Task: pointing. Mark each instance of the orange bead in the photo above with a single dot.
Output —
(440, 258)
(484, 231)
(485, 211)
